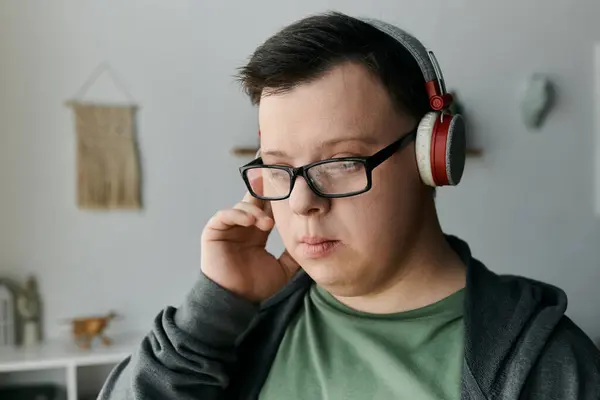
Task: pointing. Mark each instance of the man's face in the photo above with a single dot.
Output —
(347, 112)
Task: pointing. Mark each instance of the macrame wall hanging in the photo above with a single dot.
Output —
(108, 162)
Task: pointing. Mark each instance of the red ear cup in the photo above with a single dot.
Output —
(448, 150)
(441, 147)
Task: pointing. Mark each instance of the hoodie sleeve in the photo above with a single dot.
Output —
(188, 352)
(568, 368)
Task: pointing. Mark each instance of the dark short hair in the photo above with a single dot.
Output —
(308, 48)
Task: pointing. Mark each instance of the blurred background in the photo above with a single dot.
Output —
(529, 203)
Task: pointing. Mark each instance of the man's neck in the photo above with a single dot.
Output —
(431, 272)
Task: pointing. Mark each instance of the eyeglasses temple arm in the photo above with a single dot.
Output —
(387, 152)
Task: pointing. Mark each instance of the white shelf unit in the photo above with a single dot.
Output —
(80, 373)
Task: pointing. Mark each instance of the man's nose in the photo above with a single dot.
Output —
(303, 201)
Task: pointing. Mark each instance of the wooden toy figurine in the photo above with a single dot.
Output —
(87, 328)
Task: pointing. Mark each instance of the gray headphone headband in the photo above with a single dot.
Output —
(410, 43)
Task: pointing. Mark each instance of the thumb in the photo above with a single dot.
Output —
(289, 265)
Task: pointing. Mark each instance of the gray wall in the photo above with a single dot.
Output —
(521, 211)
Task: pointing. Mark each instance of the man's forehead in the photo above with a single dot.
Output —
(346, 95)
(345, 109)
(274, 149)
(316, 131)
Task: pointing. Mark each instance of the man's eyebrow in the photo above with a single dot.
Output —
(368, 140)
(273, 153)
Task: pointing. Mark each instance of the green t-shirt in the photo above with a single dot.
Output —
(333, 352)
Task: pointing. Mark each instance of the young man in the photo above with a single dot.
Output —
(370, 300)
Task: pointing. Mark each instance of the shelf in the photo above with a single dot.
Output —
(80, 373)
(244, 151)
(63, 353)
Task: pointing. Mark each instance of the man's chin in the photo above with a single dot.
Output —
(334, 277)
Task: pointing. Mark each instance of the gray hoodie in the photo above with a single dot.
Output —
(518, 343)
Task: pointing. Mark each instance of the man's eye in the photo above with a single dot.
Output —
(347, 165)
(342, 167)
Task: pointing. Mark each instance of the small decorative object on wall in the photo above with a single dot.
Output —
(20, 313)
(537, 101)
(108, 164)
(86, 329)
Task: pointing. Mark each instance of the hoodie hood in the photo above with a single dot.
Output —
(508, 321)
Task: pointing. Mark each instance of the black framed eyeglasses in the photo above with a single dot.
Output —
(331, 178)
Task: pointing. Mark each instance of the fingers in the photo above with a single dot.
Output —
(249, 212)
(226, 219)
(248, 198)
(263, 219)
(257, 186)
(242, 214)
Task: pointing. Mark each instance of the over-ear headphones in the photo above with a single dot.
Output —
(440, 145)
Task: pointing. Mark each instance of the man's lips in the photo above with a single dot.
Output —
(315, 239)
(317, 247)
